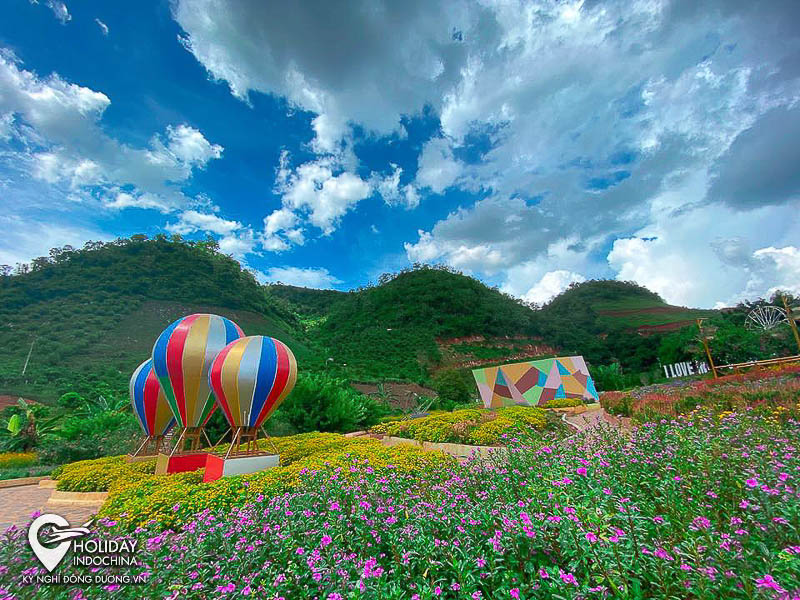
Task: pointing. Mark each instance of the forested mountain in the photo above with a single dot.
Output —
(391, 330)
(89, 316)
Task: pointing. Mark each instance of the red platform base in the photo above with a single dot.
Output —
(180, 463)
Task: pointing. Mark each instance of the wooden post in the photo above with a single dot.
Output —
(792, 322)
(705, 345)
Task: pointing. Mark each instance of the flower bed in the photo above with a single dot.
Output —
(564, 403)
(99, 474)
(171, 500)
(17, 460)
(472, 426)
(701, 507)
(764, 389)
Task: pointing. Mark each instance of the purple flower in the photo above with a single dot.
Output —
(581, 471)
(567, 577)
(514, 593)
(591, 537)
(768, 582)
(751, 483)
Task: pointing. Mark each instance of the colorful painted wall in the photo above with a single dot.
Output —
(535, 382)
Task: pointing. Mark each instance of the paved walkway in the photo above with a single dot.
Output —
(18, 503)
(597, 418)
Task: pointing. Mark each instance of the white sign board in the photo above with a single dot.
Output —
(684, 369)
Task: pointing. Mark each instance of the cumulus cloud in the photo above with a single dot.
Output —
(393, 192)
(317, 278)
(551, 285)
(61, 141)
(710, 256)
(362, 61)
(319, 192)
(234, 238)
(437, 169)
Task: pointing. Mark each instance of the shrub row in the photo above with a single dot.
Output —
(11, 460)
(469, 426)
(166, 501)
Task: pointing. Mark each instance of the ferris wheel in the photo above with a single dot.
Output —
(765, 318)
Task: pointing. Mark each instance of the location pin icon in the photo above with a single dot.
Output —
(49, 557)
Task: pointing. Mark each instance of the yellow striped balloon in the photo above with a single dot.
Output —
(251, 377)
(182, 357)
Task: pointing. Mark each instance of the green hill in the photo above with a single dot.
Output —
(391, 330)
(613, 321)
(92, 315)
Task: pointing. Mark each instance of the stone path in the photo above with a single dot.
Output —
(18, 503)
(597, 418)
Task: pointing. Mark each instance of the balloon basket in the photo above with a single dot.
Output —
(218, 467)
(180, 463)
(244, 442)
(151, 446)
(194, 437)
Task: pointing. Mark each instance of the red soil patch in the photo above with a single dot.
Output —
(12, 401)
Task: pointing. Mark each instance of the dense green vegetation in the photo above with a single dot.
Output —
(390, 331)
(732, 341)
(90, 316)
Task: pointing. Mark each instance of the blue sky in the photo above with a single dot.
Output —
(529, 144)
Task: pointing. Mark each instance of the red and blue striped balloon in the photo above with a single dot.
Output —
(182, 357)
(149, 402)
(251, 377)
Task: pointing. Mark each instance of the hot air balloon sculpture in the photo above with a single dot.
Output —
(250, 378)
(150, 407)
(182, 357)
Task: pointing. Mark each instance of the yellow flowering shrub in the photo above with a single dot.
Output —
(294, 447)
(172, 499)
(563, 402)
(13, 460)
(471, 426)
(525, 415)
(99, 474)
(491, 432)
(382, 427)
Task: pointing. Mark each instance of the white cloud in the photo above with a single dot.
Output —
(60, 11)
(393, 192)
(711, 256)
(318, 278)
(192, 220)
(235, 239)
(437, 169)
(551, 285)
(103, 27)
(318, 192)
(360, 62)
(57, 125)
(279, 220)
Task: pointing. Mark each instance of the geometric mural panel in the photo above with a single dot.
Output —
(535, 382)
